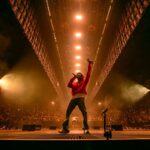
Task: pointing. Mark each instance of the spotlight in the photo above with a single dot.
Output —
(78, 34)
(78, 17)
(78, 71)
(77, 65)
(78, 57)
(78, 47)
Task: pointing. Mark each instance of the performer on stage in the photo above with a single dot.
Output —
(78, 98)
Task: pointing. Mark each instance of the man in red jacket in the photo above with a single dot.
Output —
(78, 96)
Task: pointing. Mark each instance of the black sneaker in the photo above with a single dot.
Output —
(63, 131)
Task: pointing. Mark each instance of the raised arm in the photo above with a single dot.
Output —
(89, 71)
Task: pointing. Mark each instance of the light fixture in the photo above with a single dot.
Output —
(78, 57)
(99, 103)
(52, 103)
(78, 34)
(78, 17)
(77, 65)
(78, 47)
(77, 71)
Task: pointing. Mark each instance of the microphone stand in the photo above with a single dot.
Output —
(107, 132)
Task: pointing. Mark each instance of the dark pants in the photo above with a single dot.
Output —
(73, 103)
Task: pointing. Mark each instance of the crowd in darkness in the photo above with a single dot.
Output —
(131, 117)
(13, 117)
(138, 117)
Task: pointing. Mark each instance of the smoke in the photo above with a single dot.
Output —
(117, 93)
(129, 90)
(122, 90)
(27, 83)
(134, 92)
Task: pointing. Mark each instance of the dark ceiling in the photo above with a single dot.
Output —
(134, 62)
(13, 44)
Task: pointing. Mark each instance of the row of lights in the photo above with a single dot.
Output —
(78, 47)
(79, 35)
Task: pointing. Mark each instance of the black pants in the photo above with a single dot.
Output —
(73, 103)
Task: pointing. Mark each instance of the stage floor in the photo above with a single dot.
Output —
(46, 134)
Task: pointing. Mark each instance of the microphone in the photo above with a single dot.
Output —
(105, 111)
(74, 74)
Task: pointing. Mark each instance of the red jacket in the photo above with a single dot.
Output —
(80, 87)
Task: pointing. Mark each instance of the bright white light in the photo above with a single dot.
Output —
(77, 65)
(1, 82)
(77, 71)
(78, 57)
(78, 34)
(5, 82)
(12, 85)
(78, 47)
(78, 17)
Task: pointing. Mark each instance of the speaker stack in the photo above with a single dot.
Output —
(31, 127)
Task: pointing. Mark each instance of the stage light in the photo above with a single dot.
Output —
(78, 57)
(4, 82)
(77, 65)
(78, 47)
(134, 92)
(78, 71)
(78, 34)
(78, 17)
(99, 104)
(53, 103)
(1, 82)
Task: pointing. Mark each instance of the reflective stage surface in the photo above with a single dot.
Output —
(46, 134)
